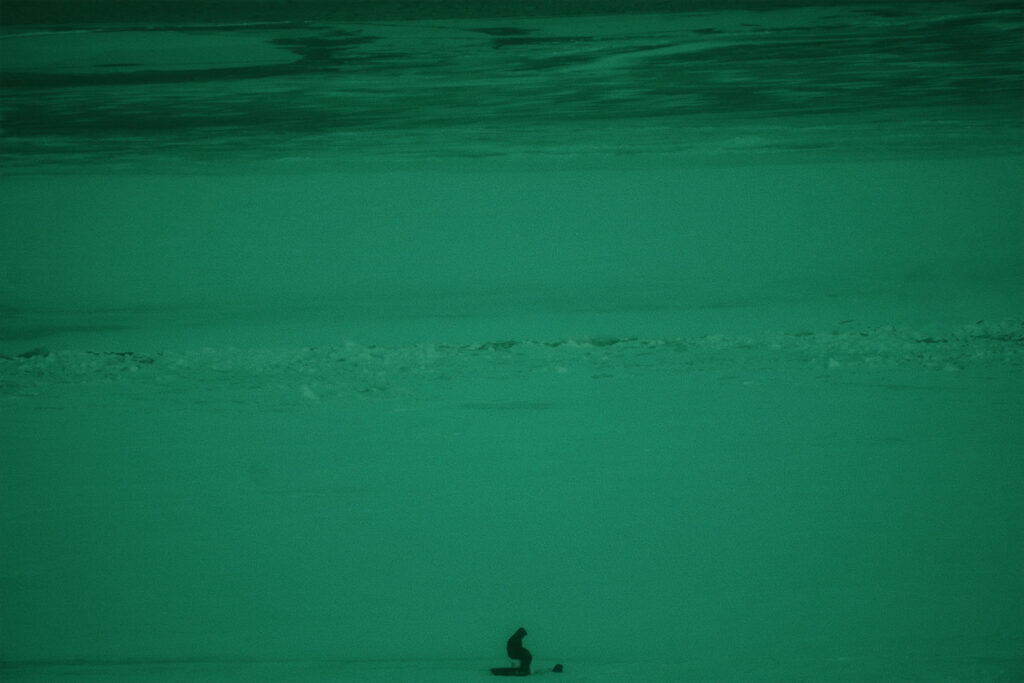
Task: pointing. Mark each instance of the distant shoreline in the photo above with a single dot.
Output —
(63, 12)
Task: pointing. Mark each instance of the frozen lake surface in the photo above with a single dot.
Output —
(335, 346)
(836, 670)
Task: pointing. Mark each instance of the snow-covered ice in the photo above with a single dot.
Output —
(834, 504)
(336, 348)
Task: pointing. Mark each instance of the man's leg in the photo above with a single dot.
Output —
(524, 661)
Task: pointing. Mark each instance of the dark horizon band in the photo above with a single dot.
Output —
(36, 12)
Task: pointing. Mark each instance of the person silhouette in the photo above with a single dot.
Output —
(517, 651)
